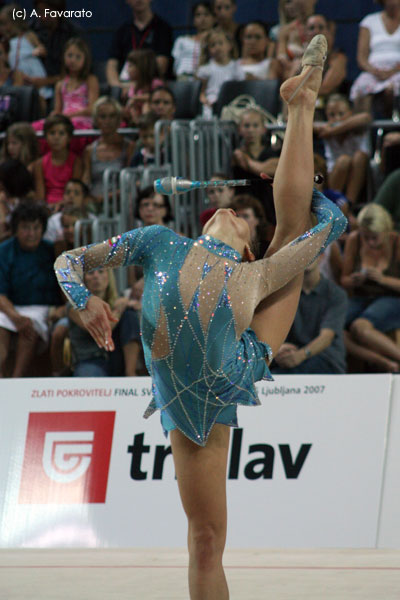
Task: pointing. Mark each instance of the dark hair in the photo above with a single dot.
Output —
(163, 88)
(84, 187)
(146, 63)
(17, 181)
(84, 48)
(73, 211)
(261, 24)
(148, 192)
(206, 5)
(247, 201)
(58, 120)
(6, 44)
(29, 212)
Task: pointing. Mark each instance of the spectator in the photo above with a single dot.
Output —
(162, 103)
(77, 92)
(254, 60)
(217, 197)
(378, 56)
(69, 215)
(391, 152)
(315, 342)
(255, 156)
(187, 48)
(7, 75)
(388, 196)
(143, 78)
(145, 156)
(54, 169)
(152, 208)
(292, 34)
(217, 66)
(251, 210)
(371, 272)
(21, 143)
(346, 143)
(76, 196)
(224, 11)
(110, 151)
(16, 184)
(25, 49)
(335, 69)
(146, 30)
(28, 287)
(53, 32)
(88, 360)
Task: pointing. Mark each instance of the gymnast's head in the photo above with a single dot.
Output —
(234, 231)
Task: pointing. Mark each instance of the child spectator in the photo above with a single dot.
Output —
(110, 151)
(54, 169)
(217, 66)
(8, 76)
(187, 48)
(255, 156)
(292, 33)
(16, 184)
(142, 79)
(25, 47)
(21, 143)
(77, 92)
(346, 146)
(76, 196)
(162, 103)
(144, 156)
(87, 358)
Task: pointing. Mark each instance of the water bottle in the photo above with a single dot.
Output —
(396, 102)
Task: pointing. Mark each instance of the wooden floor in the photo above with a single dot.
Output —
(58, 574)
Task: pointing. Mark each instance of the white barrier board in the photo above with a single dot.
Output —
(80, 467)
(389, 530)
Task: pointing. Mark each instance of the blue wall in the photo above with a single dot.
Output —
(108, 15)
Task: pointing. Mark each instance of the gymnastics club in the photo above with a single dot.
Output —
(179, 185)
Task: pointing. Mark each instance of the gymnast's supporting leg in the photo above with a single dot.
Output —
(201, 475)
(293, 185)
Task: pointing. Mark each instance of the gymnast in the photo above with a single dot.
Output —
(213, 317)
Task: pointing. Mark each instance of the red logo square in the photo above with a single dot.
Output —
(67, 457)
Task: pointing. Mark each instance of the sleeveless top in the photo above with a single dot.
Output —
(56, 176)
(97, 167)
(373, 288)
(74, 100)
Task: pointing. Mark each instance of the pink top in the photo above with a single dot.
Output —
(56, 177)
(75, 100)
(154, 84)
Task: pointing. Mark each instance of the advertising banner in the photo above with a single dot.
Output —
(80, 467)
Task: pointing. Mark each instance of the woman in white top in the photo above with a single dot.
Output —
(187, 48)
(378, 56)
(254, 61)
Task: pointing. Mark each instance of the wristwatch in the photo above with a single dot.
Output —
(307, 352)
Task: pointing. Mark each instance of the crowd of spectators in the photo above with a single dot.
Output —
(349, 310)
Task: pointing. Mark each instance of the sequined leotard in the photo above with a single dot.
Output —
(198, 304)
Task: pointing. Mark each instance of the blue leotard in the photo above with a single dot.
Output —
(198, 303)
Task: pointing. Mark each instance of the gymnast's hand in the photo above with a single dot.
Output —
(96, 318)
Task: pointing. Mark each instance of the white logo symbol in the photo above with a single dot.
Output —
(66, 454)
